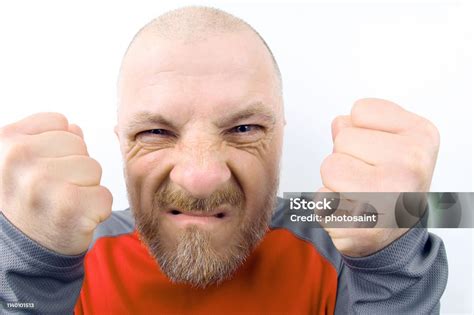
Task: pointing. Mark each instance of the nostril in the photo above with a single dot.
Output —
(175, 212)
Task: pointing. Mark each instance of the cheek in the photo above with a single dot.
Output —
(257, 174)
(144, 174)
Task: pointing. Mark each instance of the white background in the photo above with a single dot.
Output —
(58, 56)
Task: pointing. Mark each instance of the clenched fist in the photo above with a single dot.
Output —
(49, 186)
(380, 147)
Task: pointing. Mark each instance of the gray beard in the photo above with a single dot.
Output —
(194, 259)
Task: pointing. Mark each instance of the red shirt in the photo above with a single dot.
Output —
(283, 275)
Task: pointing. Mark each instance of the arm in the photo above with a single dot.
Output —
(51, 202)
(407, 277)
(381, 147)
(39, 280)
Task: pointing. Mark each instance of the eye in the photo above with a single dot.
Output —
(160, 132)
(244, 134)
(245, 128)
(154, 135)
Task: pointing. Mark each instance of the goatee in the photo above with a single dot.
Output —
(193, 257)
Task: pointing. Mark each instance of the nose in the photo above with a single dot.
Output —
(200, 176)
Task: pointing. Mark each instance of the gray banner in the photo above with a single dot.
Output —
(381, 210)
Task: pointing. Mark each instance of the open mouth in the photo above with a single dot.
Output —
(182, 218)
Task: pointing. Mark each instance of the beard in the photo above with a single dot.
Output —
(191, 255)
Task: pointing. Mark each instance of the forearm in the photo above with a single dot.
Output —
(407, 277)
(34, 279)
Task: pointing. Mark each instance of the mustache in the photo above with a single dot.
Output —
(168, 197)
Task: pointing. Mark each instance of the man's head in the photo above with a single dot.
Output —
(200, 125)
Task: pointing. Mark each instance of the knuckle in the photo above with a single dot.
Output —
(82, 146)
(327, 166)
(13, 152)
(5, 131)
(8, 131)
(31, 189)
(337, 122)
(431, 132)
(407, 179)
(90, 167)
(58, 117)
(106, 196)
(69, 192)
(37, 175)
(78, 145)
(357, 105)
(413, 180)
(359, 109)
(105, 203)
(68, 198)
(341, 138)
(418, 161)
(96, 167)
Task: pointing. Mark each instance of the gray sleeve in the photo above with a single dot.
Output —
(33, 279)
(407, 277)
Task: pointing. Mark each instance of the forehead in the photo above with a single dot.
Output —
(209, 74)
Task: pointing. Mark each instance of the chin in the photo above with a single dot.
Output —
(198, 255)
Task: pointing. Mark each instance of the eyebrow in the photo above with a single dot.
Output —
(257, 109)
(147, 118)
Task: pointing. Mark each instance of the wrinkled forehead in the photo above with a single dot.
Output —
(232, 68)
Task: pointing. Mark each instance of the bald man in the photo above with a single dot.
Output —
(200, 127)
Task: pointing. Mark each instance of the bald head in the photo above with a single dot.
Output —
(193, 24)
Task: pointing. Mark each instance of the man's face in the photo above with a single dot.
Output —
(200, 126)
